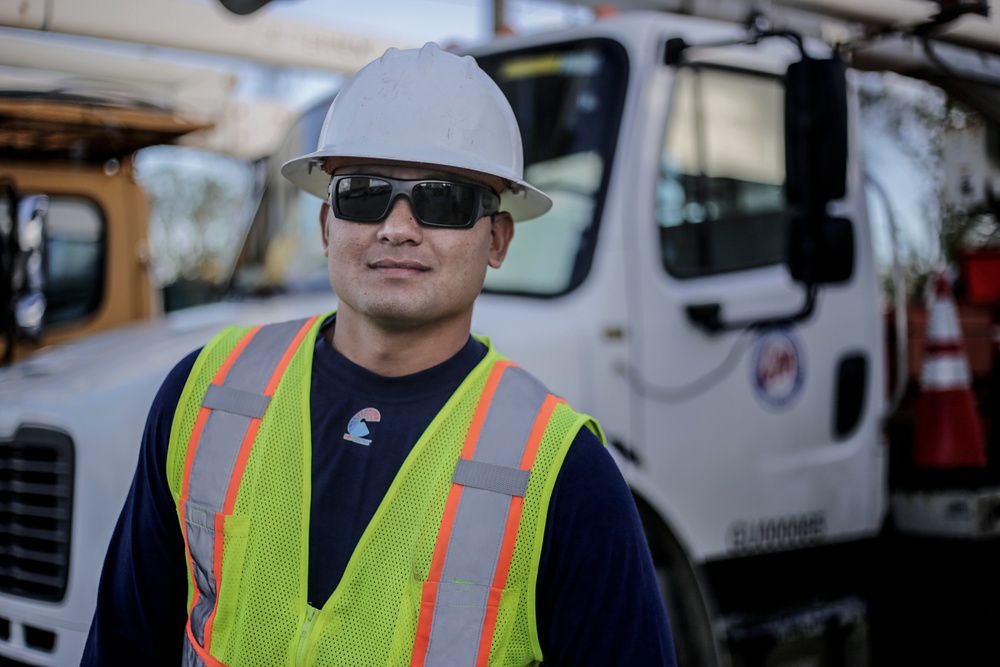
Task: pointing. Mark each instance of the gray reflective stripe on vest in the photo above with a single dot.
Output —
(480, 521)
(235, 401)
(234, 405)
(491, 477)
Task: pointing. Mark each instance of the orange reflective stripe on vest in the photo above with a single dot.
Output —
(227, 423)
(478, 531)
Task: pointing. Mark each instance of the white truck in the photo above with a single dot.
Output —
(705, 285)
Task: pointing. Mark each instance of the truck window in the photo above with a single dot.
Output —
(720, 202)
(568, 100)
(75, 252)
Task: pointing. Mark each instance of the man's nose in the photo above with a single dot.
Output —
(401, 225)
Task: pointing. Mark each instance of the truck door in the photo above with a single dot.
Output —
(759, 439)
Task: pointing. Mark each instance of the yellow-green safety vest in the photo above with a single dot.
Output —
(445, 572)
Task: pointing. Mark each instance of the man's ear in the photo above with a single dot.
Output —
(501, 233)
(324, 213)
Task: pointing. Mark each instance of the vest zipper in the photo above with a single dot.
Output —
(311, 614)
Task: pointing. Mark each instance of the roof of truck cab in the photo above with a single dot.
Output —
(82, 128)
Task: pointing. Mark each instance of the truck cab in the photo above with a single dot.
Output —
(659, 296)
(73, 238)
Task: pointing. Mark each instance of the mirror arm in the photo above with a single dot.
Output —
(757, 31)
(708, 316)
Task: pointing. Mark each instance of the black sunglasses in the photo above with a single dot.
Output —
(435, 203)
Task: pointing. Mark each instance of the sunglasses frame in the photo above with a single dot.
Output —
(487, 201)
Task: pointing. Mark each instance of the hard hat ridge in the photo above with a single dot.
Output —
(428, 107)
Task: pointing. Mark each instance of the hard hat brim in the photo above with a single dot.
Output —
(521, 199)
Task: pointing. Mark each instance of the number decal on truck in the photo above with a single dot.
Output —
(776, 533)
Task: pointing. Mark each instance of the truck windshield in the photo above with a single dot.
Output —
(568, 101)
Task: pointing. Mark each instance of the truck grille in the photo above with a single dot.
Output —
(36, 496)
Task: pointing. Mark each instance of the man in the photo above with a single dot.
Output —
(377, 486)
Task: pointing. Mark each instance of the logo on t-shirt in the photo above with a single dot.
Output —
(357, 429)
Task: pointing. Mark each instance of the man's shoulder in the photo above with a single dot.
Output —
(173, 384)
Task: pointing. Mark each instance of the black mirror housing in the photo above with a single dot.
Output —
(820, 247)
(815, 132)
(243, 7)
(821, 252)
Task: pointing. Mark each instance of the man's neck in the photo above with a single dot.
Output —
(395, 352)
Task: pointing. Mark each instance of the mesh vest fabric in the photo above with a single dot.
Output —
(371, 618)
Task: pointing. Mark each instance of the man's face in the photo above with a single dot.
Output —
(400, 275)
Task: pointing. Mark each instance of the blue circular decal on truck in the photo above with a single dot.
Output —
(777, 370)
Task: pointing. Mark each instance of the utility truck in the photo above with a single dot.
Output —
(705, 285)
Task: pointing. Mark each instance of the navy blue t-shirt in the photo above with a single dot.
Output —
(597, 598)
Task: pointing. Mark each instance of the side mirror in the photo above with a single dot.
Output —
(28, 275)
(820, 248)
(243, 7)
(8, 219)
(821, 251)
(815, 132)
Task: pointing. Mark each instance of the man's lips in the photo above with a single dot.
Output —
(398, 266)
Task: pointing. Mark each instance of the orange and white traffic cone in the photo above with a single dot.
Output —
(948, 433)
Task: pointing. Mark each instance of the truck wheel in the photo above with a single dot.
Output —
(686, 597)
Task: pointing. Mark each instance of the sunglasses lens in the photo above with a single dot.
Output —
(362, 198)
(444, 204)
(435, 203)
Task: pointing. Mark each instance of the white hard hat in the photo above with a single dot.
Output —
(429, 107)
